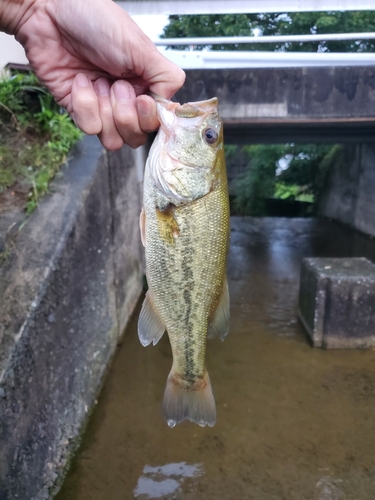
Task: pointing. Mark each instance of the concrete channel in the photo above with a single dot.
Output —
(71, 280)
(294, 422)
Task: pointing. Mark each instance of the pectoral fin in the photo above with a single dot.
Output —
(150, 326)
(167, 225)
(142, 226)
(220, 320)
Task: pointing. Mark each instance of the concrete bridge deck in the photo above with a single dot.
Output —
(329, 104)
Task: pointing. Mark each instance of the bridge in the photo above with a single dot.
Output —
(321, 104)
(316, 104)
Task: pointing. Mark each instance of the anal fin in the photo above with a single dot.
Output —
(150, 325)
(220, 320)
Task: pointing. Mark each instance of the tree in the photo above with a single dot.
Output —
(307, 163)
(308, 166)
(303, 179)
(304, 163)
(294, 23)
(258, 181)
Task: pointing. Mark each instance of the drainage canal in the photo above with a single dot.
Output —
(294, 422)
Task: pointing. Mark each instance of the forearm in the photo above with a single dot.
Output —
(13, 14)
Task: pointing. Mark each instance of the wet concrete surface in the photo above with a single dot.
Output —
(294, 422)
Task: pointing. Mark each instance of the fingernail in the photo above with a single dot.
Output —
(122, 91)
(82, 80)
(102, 88)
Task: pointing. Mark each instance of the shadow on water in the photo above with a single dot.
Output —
(294, 422)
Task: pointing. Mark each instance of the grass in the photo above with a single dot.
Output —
(35, 137)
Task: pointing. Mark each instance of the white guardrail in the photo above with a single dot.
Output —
(206, 59)
(241, 59)
(234, 40)
(168, 7)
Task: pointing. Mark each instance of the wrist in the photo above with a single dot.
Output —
(13, 13)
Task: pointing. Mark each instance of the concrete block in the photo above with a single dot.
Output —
(337, 302)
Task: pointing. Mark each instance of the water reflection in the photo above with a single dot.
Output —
(328, 489)
(157, 482)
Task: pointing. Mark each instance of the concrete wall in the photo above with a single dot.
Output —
(68, 288)
(286, 94)
(289, 104)
(350, 186)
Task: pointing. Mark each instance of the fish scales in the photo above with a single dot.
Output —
(186, 250)
(185, 277)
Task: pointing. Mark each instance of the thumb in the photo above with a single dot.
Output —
(163, 76)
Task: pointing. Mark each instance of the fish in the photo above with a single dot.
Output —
(184, 227)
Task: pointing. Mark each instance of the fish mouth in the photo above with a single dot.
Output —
(200, 108)
(191, 115)
(189, 109)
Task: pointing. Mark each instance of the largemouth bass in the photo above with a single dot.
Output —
(185, 230)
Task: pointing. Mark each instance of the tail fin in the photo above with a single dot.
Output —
(194, 403)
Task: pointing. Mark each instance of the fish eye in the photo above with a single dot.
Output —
(210, 136)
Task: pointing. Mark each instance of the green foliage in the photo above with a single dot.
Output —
(308, 166)
(294, 23)
(230, 151)
(15, 95)
(208, 25)
(329, 22)
(35, 136)
(304, 165)
(303, 180)
(292, 192)
(258, 182)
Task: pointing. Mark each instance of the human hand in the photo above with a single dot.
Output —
(97, 64)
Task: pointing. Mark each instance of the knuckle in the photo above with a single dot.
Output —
(126, 120)
(131, 133)
(127, 124)
(85, 100)
(106, 111)
(89, 126)
(112, 144)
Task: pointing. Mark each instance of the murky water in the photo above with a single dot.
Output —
(294, 422)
